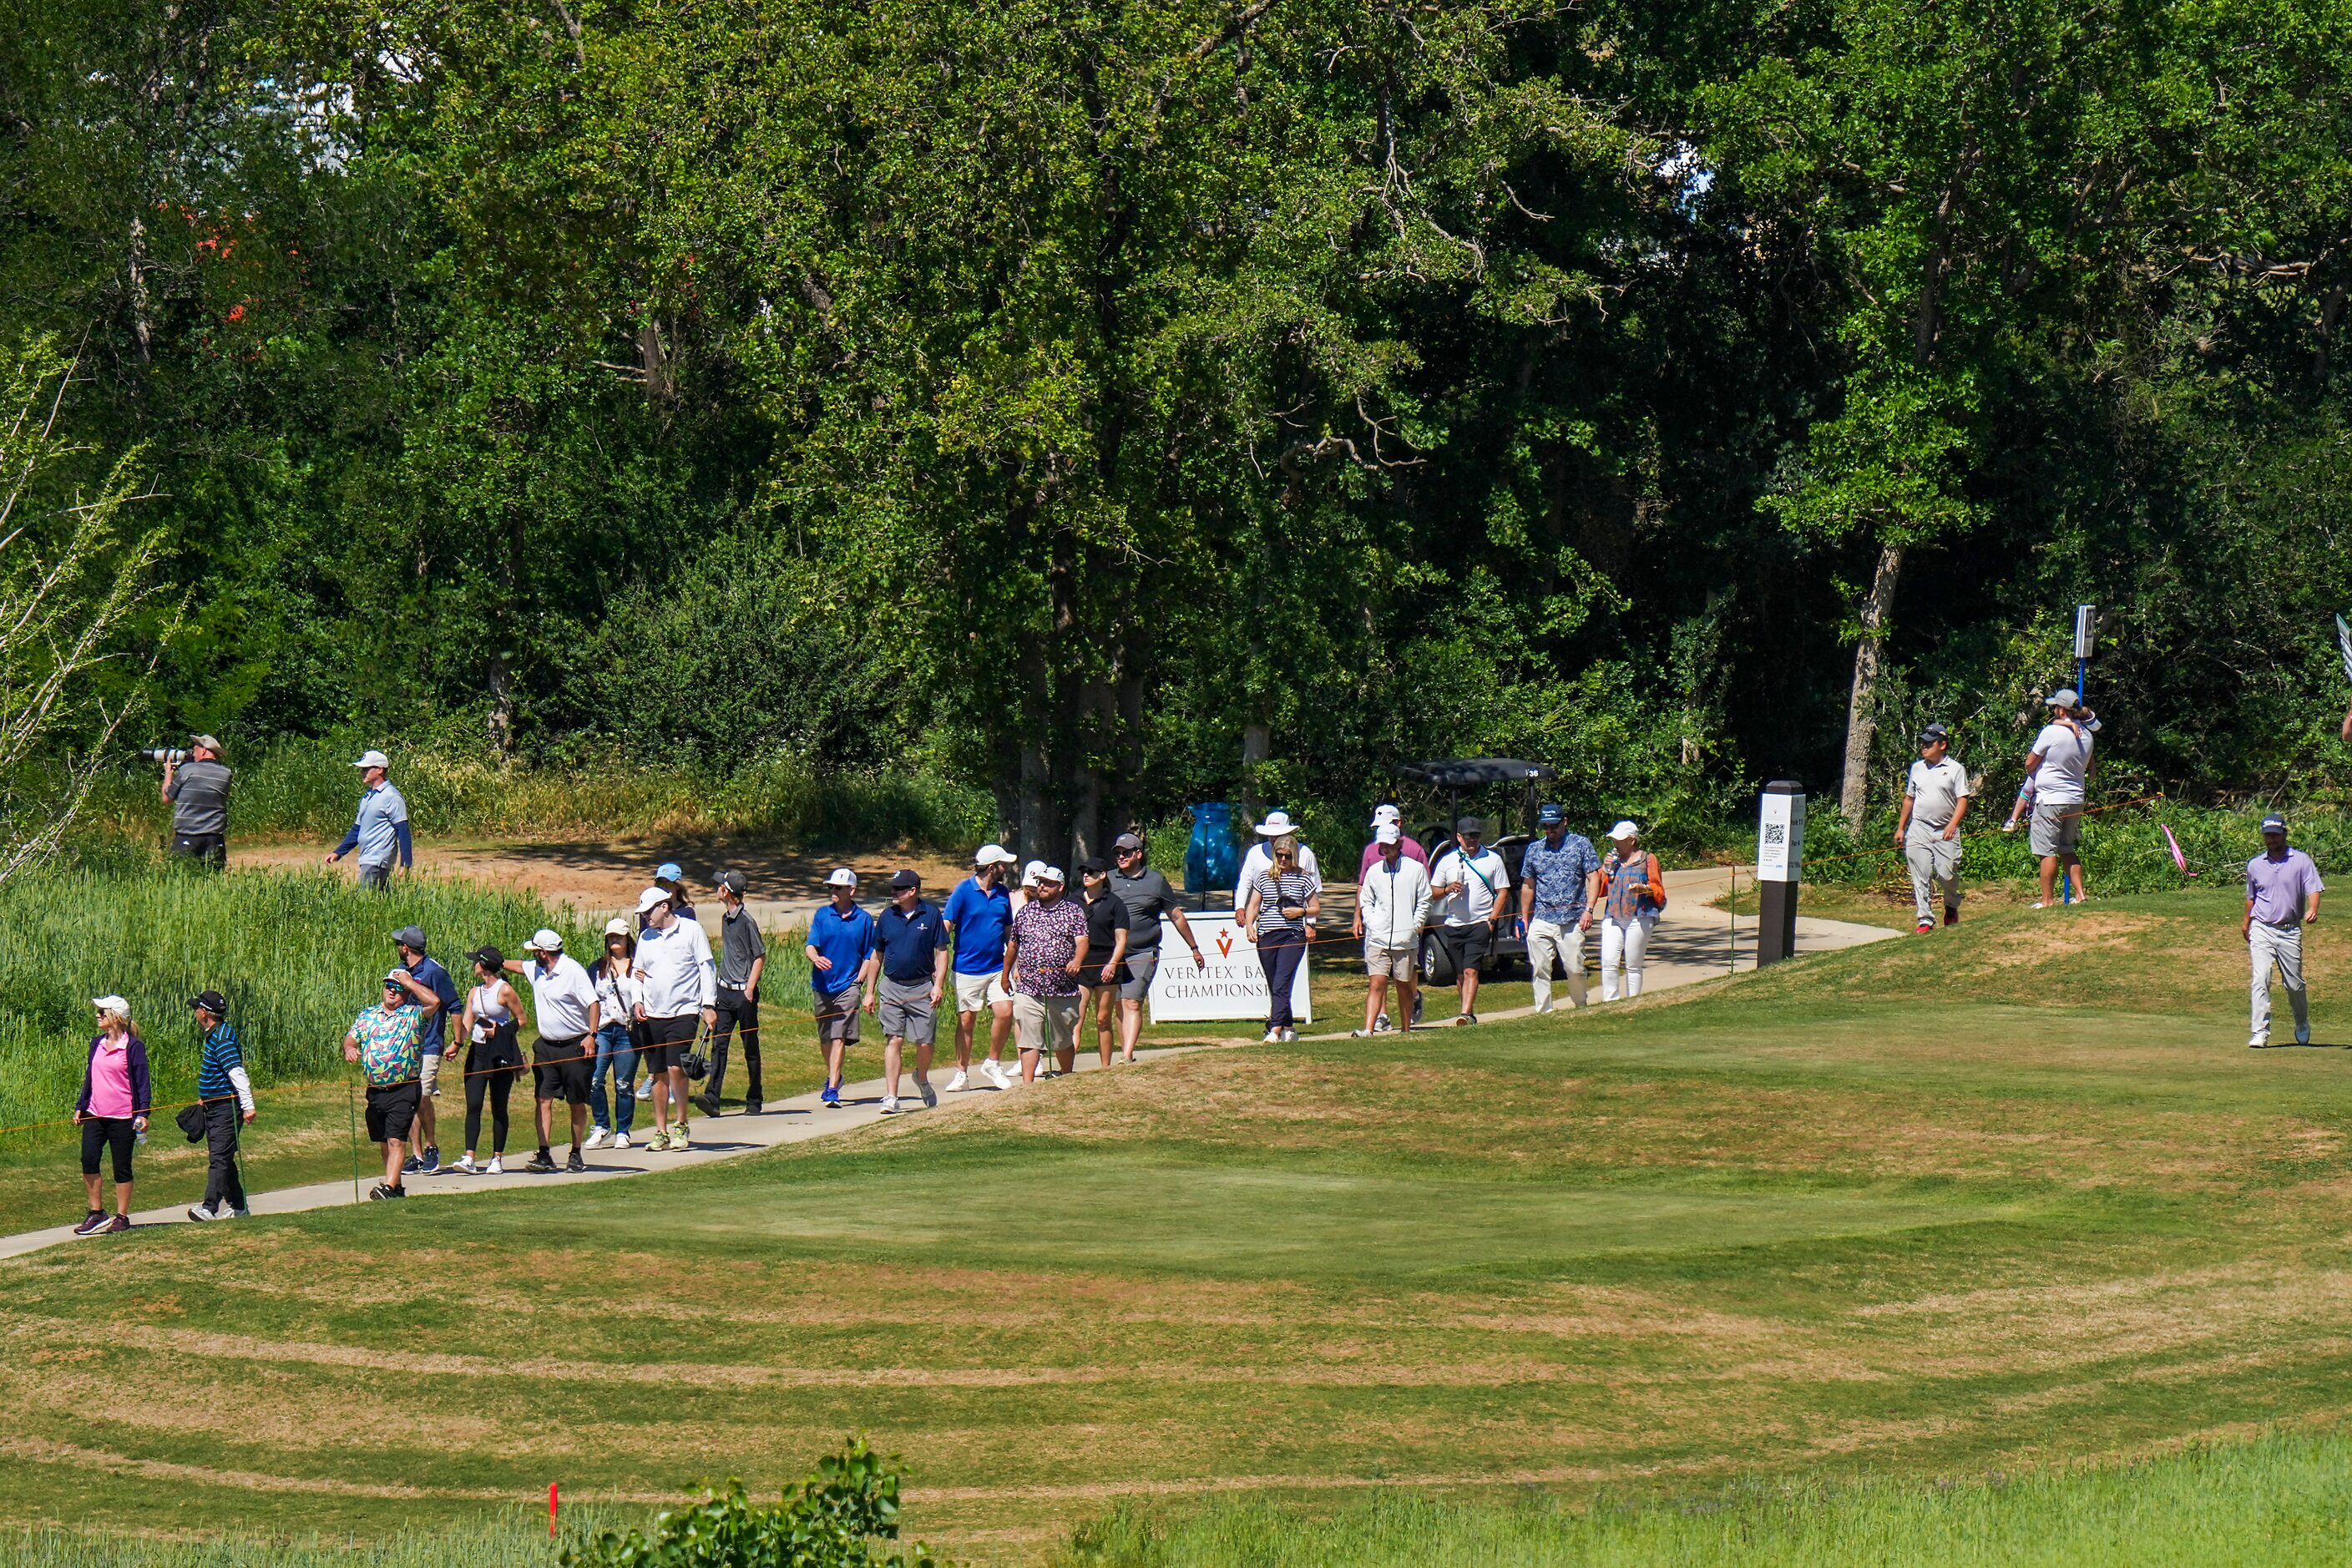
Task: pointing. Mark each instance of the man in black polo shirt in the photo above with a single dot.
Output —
(914, 978)
(1147, 897)
(198, 791)
(742, 958)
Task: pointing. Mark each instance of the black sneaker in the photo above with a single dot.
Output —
(92, 1223)
(707, 1102)
(751, 1107)
(540, 1163)
(386, 1190)
(575, 1163)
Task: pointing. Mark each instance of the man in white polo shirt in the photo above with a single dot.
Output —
(681, 986)
(2060, 767)
(563, 1000)
(1935, 801)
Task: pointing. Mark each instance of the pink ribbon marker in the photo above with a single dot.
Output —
(2177, 858)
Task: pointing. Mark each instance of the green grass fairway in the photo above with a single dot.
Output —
(2010, 1195)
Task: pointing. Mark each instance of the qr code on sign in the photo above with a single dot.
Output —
(1776, 833)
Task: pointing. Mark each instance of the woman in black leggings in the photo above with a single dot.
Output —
(492, 1025)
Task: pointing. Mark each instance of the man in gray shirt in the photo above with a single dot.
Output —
(742, 955)
(198, 791)
(1147, 896)
(380, 828)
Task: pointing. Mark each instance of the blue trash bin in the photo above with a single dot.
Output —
(1212, 859)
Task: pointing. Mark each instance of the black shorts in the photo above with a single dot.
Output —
(669, 1041)
(205, 849)
(392, 1109)
(1469, 944)
(562, 1068)
(104, 1134)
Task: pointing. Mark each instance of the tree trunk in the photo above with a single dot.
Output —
(1257, 746)
(1862, 710)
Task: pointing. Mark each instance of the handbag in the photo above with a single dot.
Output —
(192, 1122)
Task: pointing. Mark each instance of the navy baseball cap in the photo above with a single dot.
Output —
(1550, 815)
(2274, 823)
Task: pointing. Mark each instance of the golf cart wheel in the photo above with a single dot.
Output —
(1436, 961)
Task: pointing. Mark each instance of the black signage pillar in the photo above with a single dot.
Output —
(1780, 860)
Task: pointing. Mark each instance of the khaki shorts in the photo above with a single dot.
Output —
(1045, 1022)
(2057, 828)
(428, 1075)
(979, 993)
(1393, 962)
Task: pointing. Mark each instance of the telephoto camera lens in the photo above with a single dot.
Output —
(164, 754)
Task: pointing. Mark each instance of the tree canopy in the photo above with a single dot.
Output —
(1131, 403)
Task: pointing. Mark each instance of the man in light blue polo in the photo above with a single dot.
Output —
(1555, 882)
(380, 830)
(2282, 889)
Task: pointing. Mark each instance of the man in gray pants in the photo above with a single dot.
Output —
(742, 958)
(1935, 800)
(2283, 891)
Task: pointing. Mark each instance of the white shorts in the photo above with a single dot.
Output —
(980, 993)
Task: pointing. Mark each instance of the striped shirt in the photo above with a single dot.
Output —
(220, 1073)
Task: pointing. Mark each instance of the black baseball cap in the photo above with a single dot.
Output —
(1933, 734)
(905, 878)
(487, 957)
(212, 1002)
(1471, 825)
(1094, 866)
(733, 881)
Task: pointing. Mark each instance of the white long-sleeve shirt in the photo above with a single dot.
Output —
(1395, 903)
(676, 967)
(1258, 859)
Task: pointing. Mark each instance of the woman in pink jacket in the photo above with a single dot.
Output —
(112, 1110)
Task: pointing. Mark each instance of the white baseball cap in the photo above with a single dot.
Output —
(616, 926)
(1625, 830)
(1386, 814)
(1275, 825)
(543, 940)
(373, 760)
(1031, 872)
(1050, 874)
(995, 854)
(1387, 833)
(114, 1005)
(650, 897)
(841, 876)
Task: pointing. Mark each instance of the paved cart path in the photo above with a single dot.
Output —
(1692, 942)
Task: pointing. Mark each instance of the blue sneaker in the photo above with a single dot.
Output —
(832, 1095)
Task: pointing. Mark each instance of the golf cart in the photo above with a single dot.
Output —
(1453, 778)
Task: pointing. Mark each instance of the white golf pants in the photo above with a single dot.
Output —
(1627, 939)
(2281, 948)
(1548, 940)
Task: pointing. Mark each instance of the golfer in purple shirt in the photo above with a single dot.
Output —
(2282, 889)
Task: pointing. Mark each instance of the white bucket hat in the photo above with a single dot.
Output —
(1276, 824)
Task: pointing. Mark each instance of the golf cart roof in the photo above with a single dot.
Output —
(1469, 773)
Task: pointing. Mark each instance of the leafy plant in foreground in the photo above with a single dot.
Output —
(828, 1521)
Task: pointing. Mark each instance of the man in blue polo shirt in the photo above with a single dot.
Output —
(380, 828)
(978, 915)
(1554, 878)
(410, 942)
(841, 956)
(914, 978)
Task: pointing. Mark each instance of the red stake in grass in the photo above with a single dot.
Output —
(551, 1510)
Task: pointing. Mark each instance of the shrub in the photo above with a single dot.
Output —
(828, 1521)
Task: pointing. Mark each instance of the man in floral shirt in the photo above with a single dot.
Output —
(388, 1042)
(1043, 956)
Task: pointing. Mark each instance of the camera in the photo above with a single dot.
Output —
(161, 755)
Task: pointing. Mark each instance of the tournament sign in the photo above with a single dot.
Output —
(1232, 986)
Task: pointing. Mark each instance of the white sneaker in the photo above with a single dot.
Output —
(889, 1105)
(1273, 1037)
(996, 1073)
(1289, 1036)
(620, 1139)
(956, 1084)
(2259, 1041)
(466, 1166)
(597, 1138)
(497, 1167)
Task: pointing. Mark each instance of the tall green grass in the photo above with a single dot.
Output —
(296, 956)
(515, 1538)
(307, 788)
(2276, 1500)
(2123, 849)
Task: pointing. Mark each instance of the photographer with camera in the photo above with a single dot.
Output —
(196, 782)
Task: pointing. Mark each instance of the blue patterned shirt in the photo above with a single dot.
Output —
(1561, 877)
